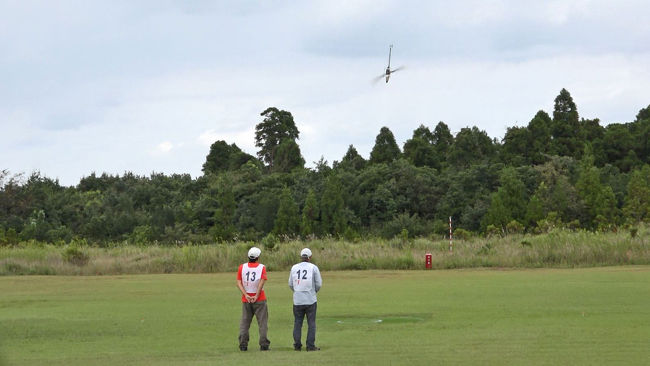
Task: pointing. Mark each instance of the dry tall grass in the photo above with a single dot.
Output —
(559, 248)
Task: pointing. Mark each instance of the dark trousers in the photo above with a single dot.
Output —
(299, 312)
(261, 312)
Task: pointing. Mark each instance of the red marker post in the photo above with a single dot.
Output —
(427, 261)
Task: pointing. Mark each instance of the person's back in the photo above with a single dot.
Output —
(305, 281)
(251, 277)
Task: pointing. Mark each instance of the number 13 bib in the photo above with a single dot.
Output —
(251, 277)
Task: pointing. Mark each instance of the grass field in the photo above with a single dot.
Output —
(538, 316)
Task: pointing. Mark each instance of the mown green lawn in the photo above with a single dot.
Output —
(554, 317)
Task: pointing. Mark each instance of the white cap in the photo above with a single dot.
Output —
(305, 253)
(254, 252)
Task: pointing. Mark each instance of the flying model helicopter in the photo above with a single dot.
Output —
(388, 70)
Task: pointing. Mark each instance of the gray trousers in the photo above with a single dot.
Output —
(299, 313)
(261, 312)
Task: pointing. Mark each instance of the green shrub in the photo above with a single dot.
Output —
(60, 233)
(270, 241)
(351, 235)
(574, 225)
(492, 230)
(404, 262)
(411, 223)
(32, 243)
(73, 254)
(441, 228)
(404, 235)
(401, 240)
(79, 242)
(3, 237)
(11, 236)
(462, 234)
(13, 268)
(141, 235)
(485, 249)
(552, 221)
(514, 227)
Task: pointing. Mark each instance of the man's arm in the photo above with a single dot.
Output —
(243, 291)
(241, 286)
(259, 290)
(318, 281)
(291, 280)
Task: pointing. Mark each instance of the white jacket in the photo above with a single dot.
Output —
(305, 281)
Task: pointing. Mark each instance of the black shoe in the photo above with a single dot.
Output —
(264, 348)
(313, 349)
(243, 348)
(297, 348)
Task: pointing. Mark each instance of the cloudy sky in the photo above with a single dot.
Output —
(147, 86)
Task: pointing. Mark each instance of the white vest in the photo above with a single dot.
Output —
(302, 275)
(250, 277)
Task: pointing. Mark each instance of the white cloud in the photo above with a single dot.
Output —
(243, 139)
(560, 11)
(163, 148)
(207, 138)
(338, 12)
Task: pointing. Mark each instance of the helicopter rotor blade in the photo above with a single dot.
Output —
(378, 78)
(397, 69)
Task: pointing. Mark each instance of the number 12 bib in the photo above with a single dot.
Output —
(302, 277)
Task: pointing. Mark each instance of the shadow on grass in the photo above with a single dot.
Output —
(355, 320)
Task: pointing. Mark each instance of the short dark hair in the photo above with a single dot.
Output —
(252, 260)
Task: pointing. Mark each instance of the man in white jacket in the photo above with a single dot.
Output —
(305, 281)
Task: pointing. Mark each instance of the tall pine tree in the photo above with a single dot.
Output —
(287, 220)
(333, 219)
(637, 200)
(385, 149)
(565, 128)
(224, 216)
(310, 214)
(598, 198)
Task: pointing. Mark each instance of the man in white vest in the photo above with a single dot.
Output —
(251, 277)
(305, 281)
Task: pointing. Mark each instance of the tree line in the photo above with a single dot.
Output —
(558, 171)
